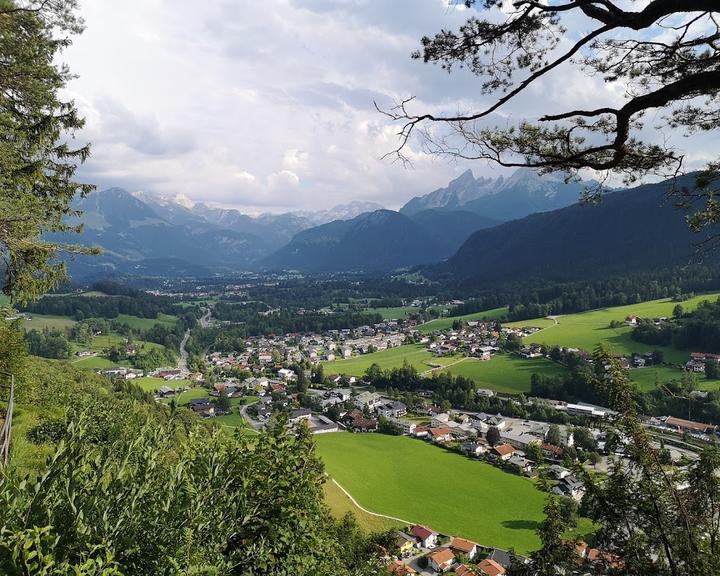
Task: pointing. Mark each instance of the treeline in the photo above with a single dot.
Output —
(537, 299)
(80, 307)
(254, 319)
(699, 330)
(448, 391)
(319, 292)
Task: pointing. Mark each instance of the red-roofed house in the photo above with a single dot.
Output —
(463, 570)
(464, 546)
(440, 434)
(426, 537)
(398, 568)
(490, 568)
(442, 560)
(504, 451)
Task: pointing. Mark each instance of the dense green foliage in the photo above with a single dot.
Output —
(699, 330)
(132, 487)
(48, 344)
(80, 307)
(256, 319)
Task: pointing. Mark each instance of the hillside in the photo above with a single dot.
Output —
(378, 241)
(636, 229)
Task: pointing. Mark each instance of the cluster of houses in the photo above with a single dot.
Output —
(419, 548)
(274, 352)
(455, 554)
(476, 339)
(698, 360)
(122, 372)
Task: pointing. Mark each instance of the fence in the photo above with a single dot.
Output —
(6, 428)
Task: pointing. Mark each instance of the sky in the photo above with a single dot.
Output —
(267, 105)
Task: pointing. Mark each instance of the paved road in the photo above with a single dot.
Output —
(249, 419)
(205, 320)
(182, 362)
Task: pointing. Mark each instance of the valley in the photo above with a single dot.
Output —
(306, 288)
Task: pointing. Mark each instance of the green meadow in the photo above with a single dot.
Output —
(586, 330)
(647, 378)
(504, 373)
(414, 354)
(398, 313)
(418, 482)
(146, 323)
(152, 384)
(41, 321)
(446, 323)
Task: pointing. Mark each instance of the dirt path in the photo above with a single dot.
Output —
(355, 503)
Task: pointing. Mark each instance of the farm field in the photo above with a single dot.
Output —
(151, 384)
(415, 354)
(340, 505)
(41, 321)
(586, 330)
(146, 323)
(415, 481)
(504, 373)
(446, 323)
(398, 313)
(646, 378)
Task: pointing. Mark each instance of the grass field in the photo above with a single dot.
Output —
(40, 321)
(446, 323)
(146, 323)
(340, 505)
(94, 362)
(415, 354)
(150, 384)
(646, 378)
(586, 330)
(184, 398)
(504, 373)
(418, 482)
(399, 313)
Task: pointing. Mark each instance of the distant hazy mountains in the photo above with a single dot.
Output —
(478, 230)
(147, 234)
(628, 231)
(500, 199)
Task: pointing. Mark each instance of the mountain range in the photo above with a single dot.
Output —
(636, 229)
(522, 193)
(378, 241)
(473, 231)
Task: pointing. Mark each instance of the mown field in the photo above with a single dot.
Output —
(415, 354)
(41, 321)
(647, 378)
(446, 323)
(146, 323)
(505, 373)
(398, 313)
(418, 482)
(340, 505)
(152, 384)
(586, 330)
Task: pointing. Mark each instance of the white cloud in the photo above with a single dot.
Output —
(269, 105)
(283, 180)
